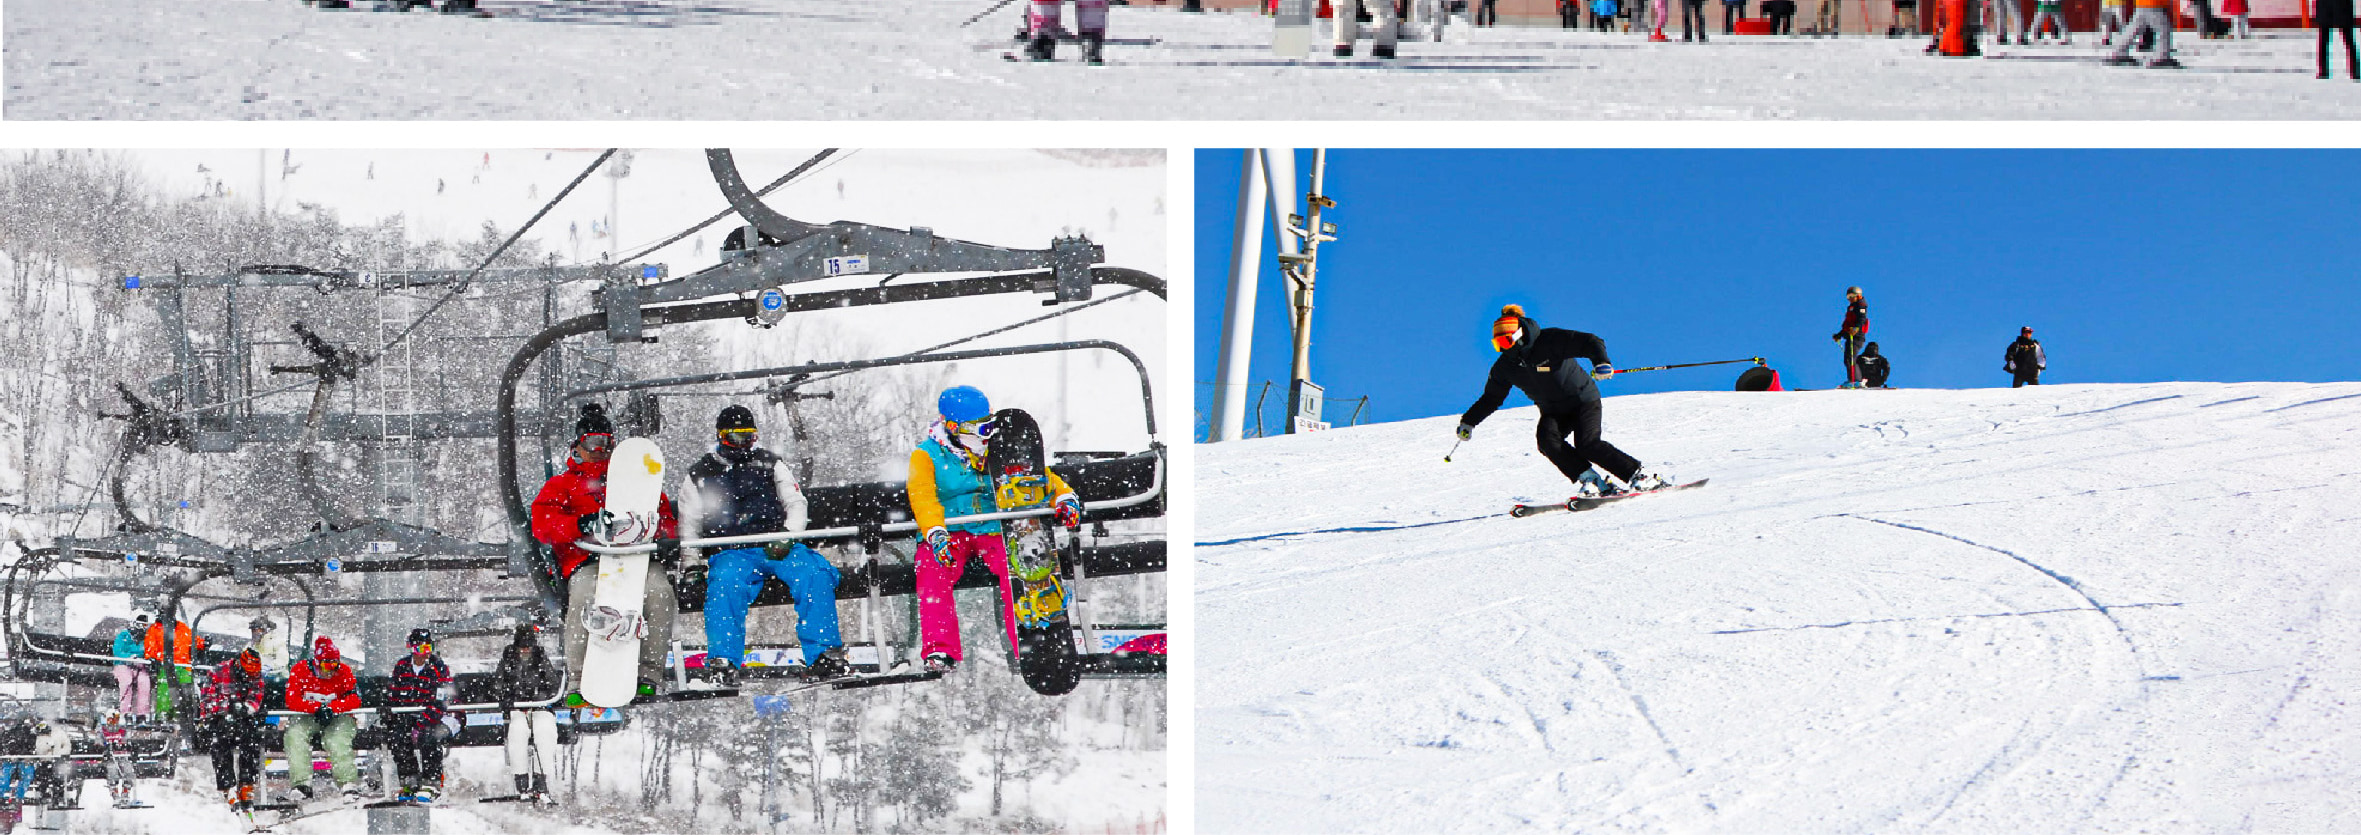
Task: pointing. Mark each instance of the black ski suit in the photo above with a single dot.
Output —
(1542, 366)
(2025, 360)
(1873, 367)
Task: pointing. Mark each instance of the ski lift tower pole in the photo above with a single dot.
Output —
(1267, 180)
(1300, 270)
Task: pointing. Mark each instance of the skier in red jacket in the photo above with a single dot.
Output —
(1850, 335)
(325, 691)
(567, 510)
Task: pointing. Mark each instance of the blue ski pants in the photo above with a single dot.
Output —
(734, 578)
(15, 778)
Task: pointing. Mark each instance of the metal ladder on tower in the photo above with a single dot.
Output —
(397, 410)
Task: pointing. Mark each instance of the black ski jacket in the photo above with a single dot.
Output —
(1874, 369)
(1542, 366)
(525, 675)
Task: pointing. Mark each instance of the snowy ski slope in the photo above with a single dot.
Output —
(912, 59)
(2054, 609)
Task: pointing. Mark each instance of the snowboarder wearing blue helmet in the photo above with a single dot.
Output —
(948, 480)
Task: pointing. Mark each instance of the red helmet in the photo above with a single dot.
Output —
(324, 649)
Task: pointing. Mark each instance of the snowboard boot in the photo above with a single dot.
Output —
(425, 795)
(1094, 48)
(2121, 61)
(540, 790)
(719, 672)
(828, 665)
(2164, 63)
(350, 793)
(1382, 51)
(230, 796)
(524, 786)
(1041, 48)
(941, 662)
(302, 792)
(647, 686)
(1345, 51)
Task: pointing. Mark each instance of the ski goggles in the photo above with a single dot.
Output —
(422, 646)
(737, 437)
(1504, 341)
(596, 442)
(978, 428)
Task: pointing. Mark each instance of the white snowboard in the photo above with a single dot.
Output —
(635, 485)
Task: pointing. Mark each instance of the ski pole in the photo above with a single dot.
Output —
(1454, 451)
(980, 15)
(1755, 360)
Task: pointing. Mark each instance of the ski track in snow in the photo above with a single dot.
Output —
(912, 59)
(2083, 608)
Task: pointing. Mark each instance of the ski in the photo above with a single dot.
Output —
(1045, 653)
(1524, 510)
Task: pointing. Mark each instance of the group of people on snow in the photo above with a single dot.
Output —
(740, 489)
(1541, 363)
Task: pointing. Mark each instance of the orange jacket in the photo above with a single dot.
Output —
(184, 643)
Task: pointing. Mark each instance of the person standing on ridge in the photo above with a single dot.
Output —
(740, 489)
(1849, 335)
(1540, 362)
(2025, 359)
(947, 480)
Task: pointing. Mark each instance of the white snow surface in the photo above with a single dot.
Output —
(912, 59)
(2051, 609)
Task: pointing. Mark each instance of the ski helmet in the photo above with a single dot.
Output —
(324, 649)
(420, 636)
(526, 632)
(734, 417)
(963, 403)
(250, 662)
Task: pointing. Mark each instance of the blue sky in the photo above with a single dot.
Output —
(2131, 266)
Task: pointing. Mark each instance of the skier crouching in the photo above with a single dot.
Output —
(1540, 362)
(232, 711)
(416, 738)
(1041, 21)
(947, 479)
(567, 509)
(325, 691)
(740, 489)
(525, 676)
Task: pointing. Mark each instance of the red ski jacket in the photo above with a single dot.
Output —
(580, 490)
(335, 685)
(229, 688)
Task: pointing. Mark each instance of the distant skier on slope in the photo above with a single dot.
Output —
(1849, 335)
(1540, 362)
(2025, 359)
(1348, 28)
(1041, 27)
(740, 489)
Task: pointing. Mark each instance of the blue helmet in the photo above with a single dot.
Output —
(963, 403)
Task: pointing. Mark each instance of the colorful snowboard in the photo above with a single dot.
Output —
(1045, 653)
(635, 487)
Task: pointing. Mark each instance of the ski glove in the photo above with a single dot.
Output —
(1602, 371)
(778, 550)
(668, 552)
(938, 540)
(323, 714)
(1466, 431)
(1069, 512)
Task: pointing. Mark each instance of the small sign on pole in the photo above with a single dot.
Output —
(848, 265)
(1306, 398)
